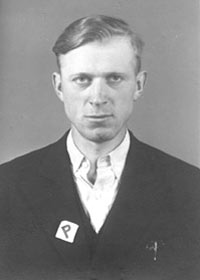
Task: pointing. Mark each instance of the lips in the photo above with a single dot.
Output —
(99, 116)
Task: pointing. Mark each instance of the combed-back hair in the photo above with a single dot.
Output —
(97, 28)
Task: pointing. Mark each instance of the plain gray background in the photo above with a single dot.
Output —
(167, 116)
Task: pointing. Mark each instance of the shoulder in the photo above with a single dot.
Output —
(174, 173)
(26, 161)
(30, 162)
(159, 158)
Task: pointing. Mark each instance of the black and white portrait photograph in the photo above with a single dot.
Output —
(100, 140)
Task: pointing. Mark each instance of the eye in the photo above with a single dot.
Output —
(82, 80)
(114, 78)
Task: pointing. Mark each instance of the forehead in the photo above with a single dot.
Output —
(113, 54)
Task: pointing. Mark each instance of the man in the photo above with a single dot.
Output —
(99, 204)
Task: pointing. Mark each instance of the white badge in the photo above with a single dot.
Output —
(67, 231)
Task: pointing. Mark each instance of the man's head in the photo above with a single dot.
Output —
(97, 29)
(99, 77)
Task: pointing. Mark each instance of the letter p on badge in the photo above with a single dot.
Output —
(67, 231)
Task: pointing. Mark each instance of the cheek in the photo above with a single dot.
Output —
(126, 109)
(124, 101)
(73, 106)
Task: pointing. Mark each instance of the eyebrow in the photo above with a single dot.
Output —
(104, 74)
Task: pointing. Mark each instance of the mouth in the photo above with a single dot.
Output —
(99, 117)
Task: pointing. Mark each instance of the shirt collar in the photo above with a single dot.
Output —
(117, 156)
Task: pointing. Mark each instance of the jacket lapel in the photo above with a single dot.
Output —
(139, 198)
(52, 198)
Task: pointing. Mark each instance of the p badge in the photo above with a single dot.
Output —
(67, 231)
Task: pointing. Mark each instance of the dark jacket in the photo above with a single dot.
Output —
(151, 233)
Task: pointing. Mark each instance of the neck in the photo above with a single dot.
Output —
(94, 150)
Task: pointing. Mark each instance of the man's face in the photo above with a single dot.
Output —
(98, 85)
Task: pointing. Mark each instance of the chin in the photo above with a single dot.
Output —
(99, 136)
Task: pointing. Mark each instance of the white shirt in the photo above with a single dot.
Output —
(98, 198)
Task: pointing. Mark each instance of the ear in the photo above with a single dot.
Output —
(56, 80)
(140, 82)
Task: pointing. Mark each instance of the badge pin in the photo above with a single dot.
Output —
(67, 231)
(154, 246)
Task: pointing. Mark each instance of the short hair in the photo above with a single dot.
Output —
(97, 28)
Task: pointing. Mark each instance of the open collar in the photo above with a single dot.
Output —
(117, 156)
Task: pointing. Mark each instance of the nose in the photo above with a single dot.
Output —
(98, 93)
